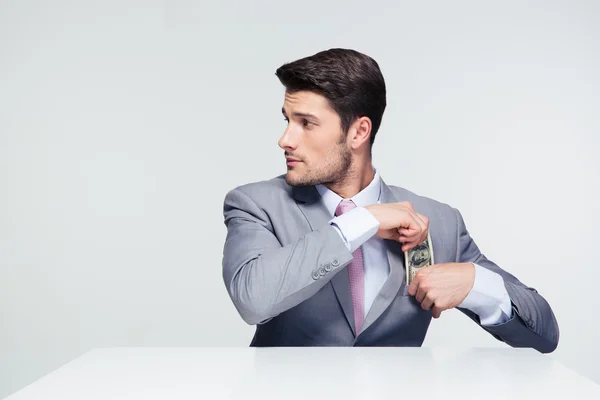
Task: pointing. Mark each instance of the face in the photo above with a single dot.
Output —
(314, 137)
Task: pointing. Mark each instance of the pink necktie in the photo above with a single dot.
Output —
(356, 273)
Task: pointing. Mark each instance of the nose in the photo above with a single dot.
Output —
(288, 141)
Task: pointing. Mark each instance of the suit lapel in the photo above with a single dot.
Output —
(310, 203)
(317, 215)
(396, 278)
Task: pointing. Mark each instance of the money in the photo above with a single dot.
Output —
(417, 258)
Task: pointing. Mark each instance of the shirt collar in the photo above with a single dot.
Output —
(367, 196)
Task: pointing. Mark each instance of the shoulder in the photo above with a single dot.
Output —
(261, 192)
(443, 217)
(423, 203)
(263, 187)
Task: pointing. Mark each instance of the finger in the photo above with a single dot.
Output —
(405, 235)
(413, 287)
(419, 226)
(416, 231)
(410, 243)
(410, 224)
(406, 232)
(415, 241)
(428, 301)
(407, 205)
(436, 312)
(420, 294)
(422, 220)
(410, 237)
(425, 222)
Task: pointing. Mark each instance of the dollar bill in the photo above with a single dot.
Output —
(417, 258)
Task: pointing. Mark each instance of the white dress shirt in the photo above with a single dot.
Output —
(488, 298)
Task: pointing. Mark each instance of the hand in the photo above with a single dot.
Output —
(442, 286)
(400, 222)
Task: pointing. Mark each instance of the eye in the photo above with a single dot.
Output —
(306, 123)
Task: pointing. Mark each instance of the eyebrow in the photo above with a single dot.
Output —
(300, 115)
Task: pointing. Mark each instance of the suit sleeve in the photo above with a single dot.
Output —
(264, 278)
(532, 323)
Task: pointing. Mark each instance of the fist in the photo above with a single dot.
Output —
(441, 287)
(400, 222)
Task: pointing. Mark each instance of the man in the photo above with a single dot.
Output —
(315, 257)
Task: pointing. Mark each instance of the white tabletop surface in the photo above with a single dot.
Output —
(310, 373)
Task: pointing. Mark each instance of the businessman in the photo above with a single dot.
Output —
(315, 257)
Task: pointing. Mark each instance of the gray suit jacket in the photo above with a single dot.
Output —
(284, 269)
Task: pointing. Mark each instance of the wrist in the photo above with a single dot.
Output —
(371, 209)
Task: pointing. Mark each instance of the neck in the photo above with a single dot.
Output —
(359, 176)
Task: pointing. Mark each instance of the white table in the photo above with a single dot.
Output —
(310, 374)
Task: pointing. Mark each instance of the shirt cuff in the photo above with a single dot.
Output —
(356, 227)
(488, 298)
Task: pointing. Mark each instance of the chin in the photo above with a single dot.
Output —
(294, 179)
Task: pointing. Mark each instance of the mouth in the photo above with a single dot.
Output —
(292, 162)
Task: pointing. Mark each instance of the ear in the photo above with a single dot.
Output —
(360, 132)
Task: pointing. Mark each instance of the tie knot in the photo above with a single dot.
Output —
(344, 206)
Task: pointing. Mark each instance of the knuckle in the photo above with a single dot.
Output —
(408, 205)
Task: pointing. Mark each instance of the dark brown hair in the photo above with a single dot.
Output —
(351, 81)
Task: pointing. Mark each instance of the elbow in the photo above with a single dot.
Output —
(551, 343)
(251, 303)
(547, 340)
(552, 334)
(548, 346)
(251, 314)
(552, 347)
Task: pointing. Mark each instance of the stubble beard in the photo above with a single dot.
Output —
(336, 170)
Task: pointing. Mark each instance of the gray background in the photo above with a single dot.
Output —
(124, 123)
